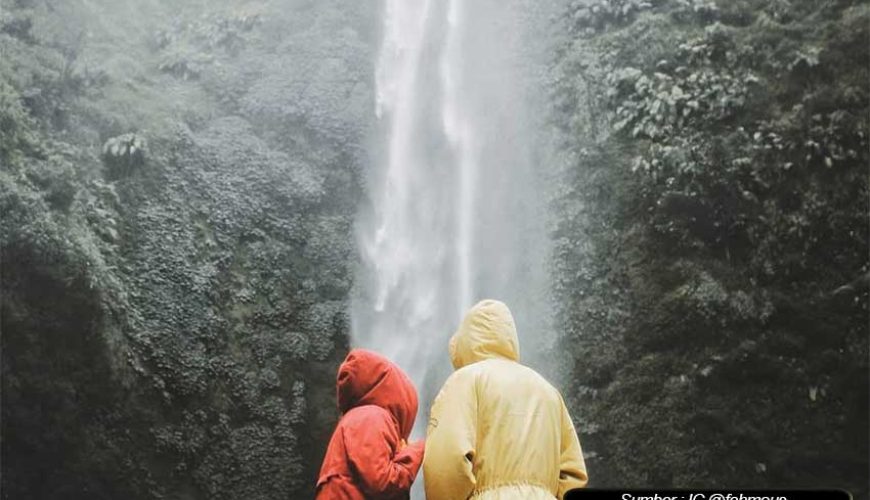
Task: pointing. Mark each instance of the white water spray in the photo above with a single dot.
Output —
(456, 213)
(460, 137)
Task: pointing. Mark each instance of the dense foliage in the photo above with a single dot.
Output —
(713, 240)
(175, 244)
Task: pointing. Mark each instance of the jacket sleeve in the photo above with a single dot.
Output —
(451, 440)
(572, 467)
(370, 436)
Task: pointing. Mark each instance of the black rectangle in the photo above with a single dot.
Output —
(699, 494)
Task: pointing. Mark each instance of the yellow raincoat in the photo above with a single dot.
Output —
(497, 429)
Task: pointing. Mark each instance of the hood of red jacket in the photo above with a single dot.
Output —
(367, 378)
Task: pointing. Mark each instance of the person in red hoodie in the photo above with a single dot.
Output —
(367, 456)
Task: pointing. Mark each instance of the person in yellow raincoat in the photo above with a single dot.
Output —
(497, 429)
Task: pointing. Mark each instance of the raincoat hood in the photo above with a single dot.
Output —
(367, 378)
(487, 331)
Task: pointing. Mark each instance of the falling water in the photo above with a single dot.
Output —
(460, 137)
(457, 208)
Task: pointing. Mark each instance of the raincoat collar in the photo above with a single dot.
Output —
(487, 331)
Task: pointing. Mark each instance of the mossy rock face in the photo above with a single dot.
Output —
(712, 287)
(123, 155)
(173, 308)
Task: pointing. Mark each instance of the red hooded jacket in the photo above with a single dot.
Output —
(367, 456)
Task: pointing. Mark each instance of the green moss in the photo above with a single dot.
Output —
(161, 306)
(723, 206)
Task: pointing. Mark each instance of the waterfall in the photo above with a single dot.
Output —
(460, 137)
(456, 211)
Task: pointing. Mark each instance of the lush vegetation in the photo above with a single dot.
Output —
(176, 205)
(713, 244)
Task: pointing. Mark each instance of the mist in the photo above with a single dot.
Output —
(456, 211)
